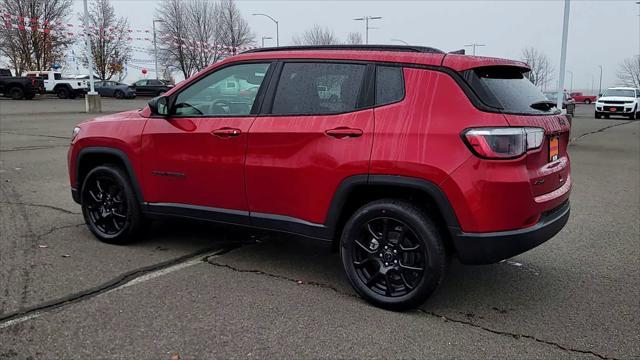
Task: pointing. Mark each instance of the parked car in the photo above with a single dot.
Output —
(568, 103)
(64, 88)
(623, 101)
(582, 98)
(19, 88)
(115, 89)
(151, 87)
(467, 157)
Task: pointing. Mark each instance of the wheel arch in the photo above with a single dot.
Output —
(358, 190)
(90, 157)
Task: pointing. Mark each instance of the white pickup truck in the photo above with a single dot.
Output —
(54, 83)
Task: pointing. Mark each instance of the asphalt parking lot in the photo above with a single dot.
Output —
(202, 291)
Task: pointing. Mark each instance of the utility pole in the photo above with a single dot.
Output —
(473, 46)
(563, 53)
(155, 47)
(638, 2)
(366, 25)
(277, 25)
(92, 99)
(571, 81)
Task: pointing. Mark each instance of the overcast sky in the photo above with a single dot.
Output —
(600, 32)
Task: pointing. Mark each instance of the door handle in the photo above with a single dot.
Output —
(226, 132)
(343, 132)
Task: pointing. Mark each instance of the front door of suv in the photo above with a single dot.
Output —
(312, 136)
(195, 157)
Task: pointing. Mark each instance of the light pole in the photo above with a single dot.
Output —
(92, 99)
(592, 82)
(265, 38)
(563, 53)
(366, 25)
(638, 2)
(275, 21)
(399, 40)
(155, 46)
(571, 81)
(473, 46)
(600, 84)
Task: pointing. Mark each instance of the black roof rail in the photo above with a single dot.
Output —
(400, 48)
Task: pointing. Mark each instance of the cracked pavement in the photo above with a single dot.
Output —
(65, 295)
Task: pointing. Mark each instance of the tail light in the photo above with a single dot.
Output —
(503, 143)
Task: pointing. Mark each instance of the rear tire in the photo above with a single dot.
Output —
(588, 101)
(393, 254)
(16, 93)
(109, 205)
(62, 92)
(118, 94)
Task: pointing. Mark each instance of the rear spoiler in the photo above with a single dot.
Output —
(457, 52)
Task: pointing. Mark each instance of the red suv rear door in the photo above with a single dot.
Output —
(310, 138)
(196, 156)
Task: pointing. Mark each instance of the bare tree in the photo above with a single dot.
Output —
(316, 35)
(173, 35)
(354, 38)
(203, 32)
(629, 72)
(34, 50)
(109, 45)
(233, 29)
(541, 69)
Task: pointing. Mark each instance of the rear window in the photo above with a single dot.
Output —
(507, 88)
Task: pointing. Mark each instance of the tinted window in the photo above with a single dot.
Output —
(318, 88)
(212, 95)
(389, 84)
(155, 82)
(507, 88)
(141, 83)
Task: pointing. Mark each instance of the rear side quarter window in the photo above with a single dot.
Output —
(389, 85)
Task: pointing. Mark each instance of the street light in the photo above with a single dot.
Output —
(366, 26)
(275, 21)
(473, 46)
(638, 2)
(600, 86)
(563, 54)
(155, 46)
(266, 38)
(399, 40)
(571, 81)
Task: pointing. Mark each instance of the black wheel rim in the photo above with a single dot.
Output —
(106, 205)
(388, 257)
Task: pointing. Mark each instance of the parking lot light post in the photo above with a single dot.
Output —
(265, 38)
(366, 25)
(570, 81)
(92, 98)
(563, 54)
(277, 30)
(155, 46)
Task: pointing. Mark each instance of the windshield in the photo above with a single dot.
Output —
(620, 92)
(507, 88)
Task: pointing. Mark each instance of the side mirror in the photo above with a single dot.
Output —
(159, 106)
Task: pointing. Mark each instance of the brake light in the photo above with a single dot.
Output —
(33, 82)
(503, 143)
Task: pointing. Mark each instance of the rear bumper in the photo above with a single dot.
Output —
(489, 248)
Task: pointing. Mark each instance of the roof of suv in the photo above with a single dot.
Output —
(419, 55)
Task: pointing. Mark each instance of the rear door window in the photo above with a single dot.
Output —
(507, 88)
(318, 88)
(389, 85)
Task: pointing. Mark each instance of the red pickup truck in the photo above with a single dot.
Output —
(581, 98)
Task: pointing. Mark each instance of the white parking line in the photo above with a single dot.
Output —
(146, 277)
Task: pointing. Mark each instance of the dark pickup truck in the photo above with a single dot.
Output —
(19, 87)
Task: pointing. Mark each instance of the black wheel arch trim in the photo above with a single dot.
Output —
(113, 152)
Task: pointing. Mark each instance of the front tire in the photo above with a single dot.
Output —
(118, 94)
(393, 254)
(588, 101)
(62, 92)
(109, 205)
(598, 115)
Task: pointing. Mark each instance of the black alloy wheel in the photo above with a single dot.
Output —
(393, 254)
(109, 206)
(118, 94)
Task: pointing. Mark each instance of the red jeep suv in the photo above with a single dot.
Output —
(401, 156)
